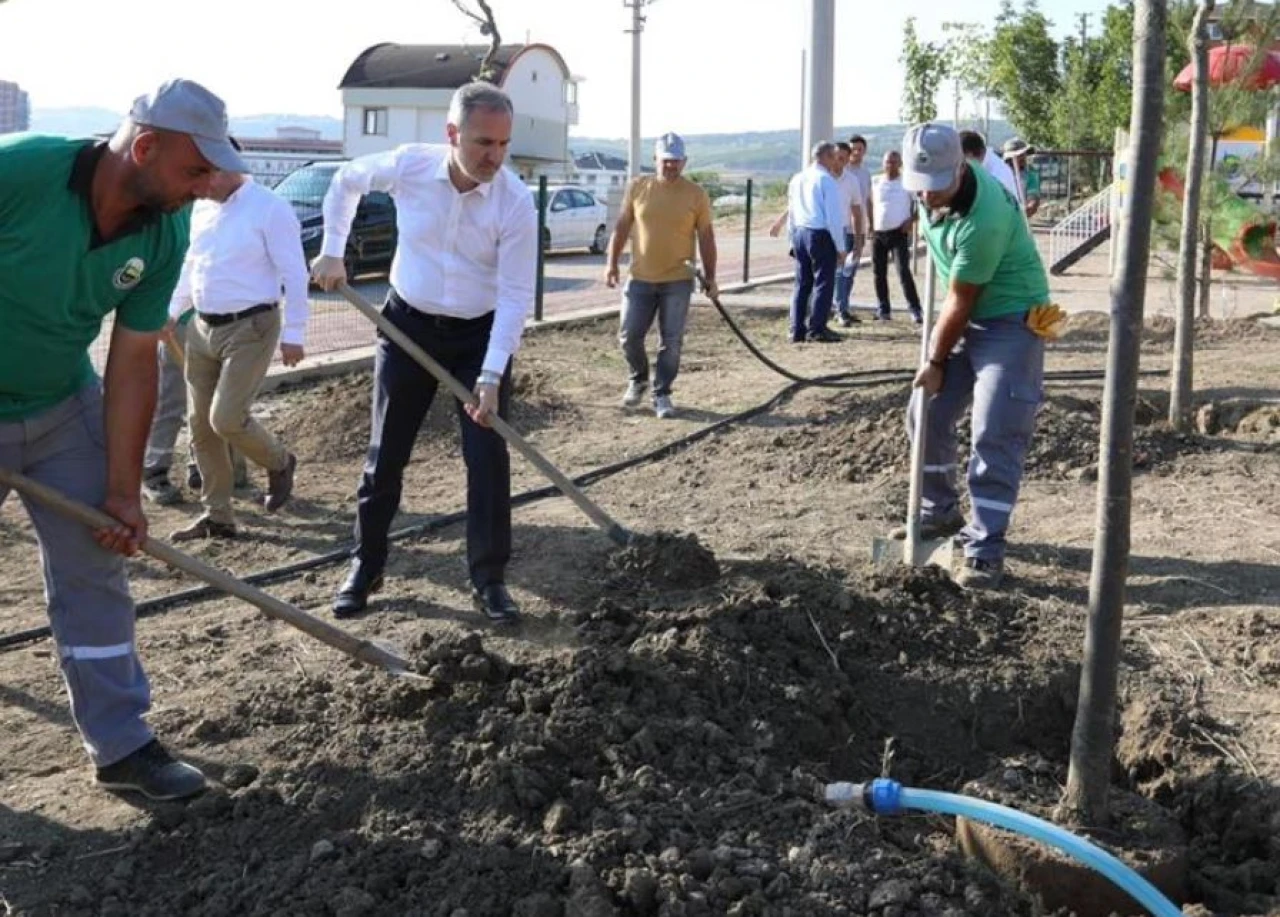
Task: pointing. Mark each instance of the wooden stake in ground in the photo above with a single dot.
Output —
(1092, 738)
(1184, 337)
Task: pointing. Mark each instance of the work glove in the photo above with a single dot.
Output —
(1046, 321)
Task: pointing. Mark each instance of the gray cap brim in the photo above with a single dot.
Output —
(926, 181)
(220, 153)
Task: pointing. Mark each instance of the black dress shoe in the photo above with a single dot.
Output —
(496, 604)
(356, 589)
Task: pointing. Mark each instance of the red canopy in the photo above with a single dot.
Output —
(1236, 63)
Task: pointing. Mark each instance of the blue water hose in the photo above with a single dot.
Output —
(888, 797)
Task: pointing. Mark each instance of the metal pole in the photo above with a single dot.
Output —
(913, 552)
(542, 248)
(746, 236)
(819, 75)
(633, 144)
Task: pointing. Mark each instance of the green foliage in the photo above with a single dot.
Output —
(1024, 70)
(925, 67)
(967, 49)
(709, 181)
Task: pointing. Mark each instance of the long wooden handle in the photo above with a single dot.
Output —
(911, 549)
(335, 637)
(175, 350)
(616, 532)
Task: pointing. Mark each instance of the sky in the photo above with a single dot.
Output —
(707, 65)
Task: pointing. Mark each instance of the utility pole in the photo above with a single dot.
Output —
(637, 26)
(1081, 62)
(819, 76)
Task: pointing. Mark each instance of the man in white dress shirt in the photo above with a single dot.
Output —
(245, 246)
(976, 151)
(462, 284)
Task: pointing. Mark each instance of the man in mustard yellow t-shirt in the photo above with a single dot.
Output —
(662, 215)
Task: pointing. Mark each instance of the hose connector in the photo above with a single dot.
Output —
(880, 796)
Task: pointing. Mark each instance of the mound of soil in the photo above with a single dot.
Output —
(867, 439)
(341, 429)
(671, 763)
(664, 561)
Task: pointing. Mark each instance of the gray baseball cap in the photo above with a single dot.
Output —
(186, 107)
(669, 146)
(931, 156)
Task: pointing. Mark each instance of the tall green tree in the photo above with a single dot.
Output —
(1024, 70)
(967, 52)
(925, 66)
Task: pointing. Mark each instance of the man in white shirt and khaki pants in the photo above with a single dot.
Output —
(462, 284)
(245, 246)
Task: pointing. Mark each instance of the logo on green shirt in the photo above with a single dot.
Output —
(127, 277)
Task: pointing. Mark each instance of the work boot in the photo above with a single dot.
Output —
(203, 528)
(663, 407)
(158, 489)
(978, 573)
(353, 595)
(154, 773)
(932, 529)
(280, 484)
(635, 394)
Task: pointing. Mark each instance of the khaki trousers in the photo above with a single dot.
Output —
(225, 367)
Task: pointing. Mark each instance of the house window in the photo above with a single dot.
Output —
(375, 122)
(570, 92)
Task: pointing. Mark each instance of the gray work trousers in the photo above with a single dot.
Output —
(171, 408)
(90, 610)
(998, 366)
(642, 301)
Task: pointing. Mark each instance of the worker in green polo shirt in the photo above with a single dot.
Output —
(982, 350)
(89, 230)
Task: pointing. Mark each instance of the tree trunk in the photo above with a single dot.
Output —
(1184, 338)
(1092, 738)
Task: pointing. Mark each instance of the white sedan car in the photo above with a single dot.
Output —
(575, 219)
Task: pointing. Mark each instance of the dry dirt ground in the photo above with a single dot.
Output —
(652, 740)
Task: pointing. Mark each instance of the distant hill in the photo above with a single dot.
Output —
(767, 153)
(82, 122)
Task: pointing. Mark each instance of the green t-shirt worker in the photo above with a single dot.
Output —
(981, 351)
(86, 230)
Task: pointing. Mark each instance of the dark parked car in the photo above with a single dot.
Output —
(373, 231)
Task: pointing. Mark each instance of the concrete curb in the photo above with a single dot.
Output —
(361, 358)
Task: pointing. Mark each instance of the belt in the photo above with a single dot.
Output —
(216, 319)
(434, 318)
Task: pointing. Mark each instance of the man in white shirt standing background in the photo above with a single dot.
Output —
(462, 284)
(852, 196)
(245, 247)
(895, 212)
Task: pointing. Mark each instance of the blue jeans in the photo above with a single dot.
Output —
(815, 254)
(643, 301)
(844, 282)
(998, 366)
(402, 394)
(90, 610)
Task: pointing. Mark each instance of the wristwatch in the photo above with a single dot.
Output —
(489, 377)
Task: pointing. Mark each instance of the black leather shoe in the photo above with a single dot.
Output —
(154, 773)
(496, 604)
(356, 589)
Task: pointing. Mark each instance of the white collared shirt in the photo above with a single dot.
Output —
(462, 254)
(243, 251)
(851, 195)
(894, 204)
(1001, 172)
(813, 202)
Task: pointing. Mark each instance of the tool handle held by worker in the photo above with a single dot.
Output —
(94, 518)
(616, 532)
